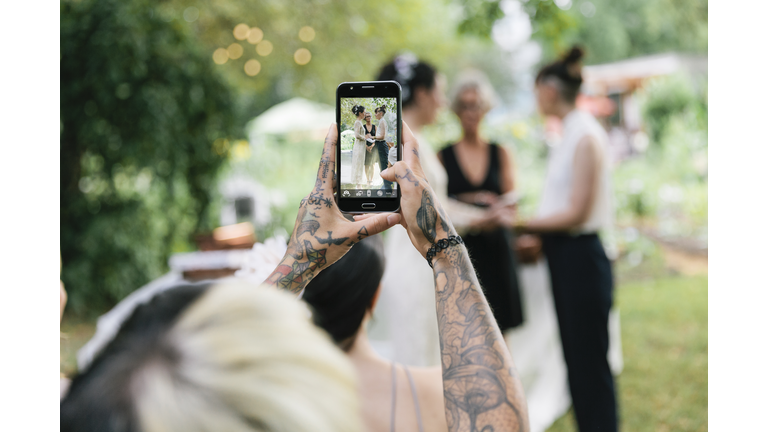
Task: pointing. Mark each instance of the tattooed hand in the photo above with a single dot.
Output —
(423, 216)
(481, 389)
(322, 234)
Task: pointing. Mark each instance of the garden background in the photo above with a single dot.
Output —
(160, 104)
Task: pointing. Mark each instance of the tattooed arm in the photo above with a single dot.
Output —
(481, 389)
(322, 235)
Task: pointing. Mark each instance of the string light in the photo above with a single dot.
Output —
(302, 56)
(255, 35)
(307, 34)
(235, 51)
(252, 67)
(220, 56)
(264, 48)
(241, 31)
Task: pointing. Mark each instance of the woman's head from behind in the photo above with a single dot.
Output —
(345, 292)
(422, 87)
(558, 83)
(471, 98)
(215, 357)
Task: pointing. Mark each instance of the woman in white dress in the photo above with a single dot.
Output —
(405, 326)
(359, 149)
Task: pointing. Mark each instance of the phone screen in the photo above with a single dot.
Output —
(369, 139)
(368, 146)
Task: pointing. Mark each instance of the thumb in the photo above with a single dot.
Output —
(375, 224)
(388, 174)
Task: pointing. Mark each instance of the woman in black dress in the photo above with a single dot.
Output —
(480, 173)
(370, 154)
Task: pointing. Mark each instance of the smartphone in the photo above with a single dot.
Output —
(365, 150)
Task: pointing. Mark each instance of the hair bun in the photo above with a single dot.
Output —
(574, 55)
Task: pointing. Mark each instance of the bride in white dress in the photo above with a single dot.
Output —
(358, 151)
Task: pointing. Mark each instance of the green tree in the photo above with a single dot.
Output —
(141, 106)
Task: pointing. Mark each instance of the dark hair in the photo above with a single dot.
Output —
(341, 294)
(410, 73)
(382, 108)
(568, 71)
(100, 398)
(357, 109)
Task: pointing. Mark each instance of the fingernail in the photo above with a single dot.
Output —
(393, 219)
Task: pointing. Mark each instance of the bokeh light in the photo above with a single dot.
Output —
(302, 56)
(255, 35)
(241, 31)
(264, 48)
(252, 67)
(235, 51)
(220, 56)
(307, 34)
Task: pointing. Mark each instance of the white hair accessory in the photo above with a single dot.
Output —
(404, 64)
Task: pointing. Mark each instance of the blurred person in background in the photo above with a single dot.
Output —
(406, 315)
(371, 156)
(480, 173)
(575, 206)
(215, 357)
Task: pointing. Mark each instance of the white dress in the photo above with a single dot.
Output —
(404, 324)
(358, 154)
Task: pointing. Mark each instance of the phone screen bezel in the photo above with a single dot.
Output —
(360, 90)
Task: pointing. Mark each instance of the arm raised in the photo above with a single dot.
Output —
(481, 388)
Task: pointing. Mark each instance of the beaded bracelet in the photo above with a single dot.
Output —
(442, 244)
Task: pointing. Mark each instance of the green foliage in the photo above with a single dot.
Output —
(348, 118)
(479, 17)
(619, 29)
(141, 106)
(665, 98)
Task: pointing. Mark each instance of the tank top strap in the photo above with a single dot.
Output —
(415, 398)
(394, 398)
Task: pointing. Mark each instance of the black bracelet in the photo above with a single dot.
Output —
(442, 244)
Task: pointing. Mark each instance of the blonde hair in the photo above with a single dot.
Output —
(473, 79)
(247, 358)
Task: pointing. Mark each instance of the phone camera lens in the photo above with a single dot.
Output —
(350, 87)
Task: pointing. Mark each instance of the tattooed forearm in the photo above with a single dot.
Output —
(482, 391)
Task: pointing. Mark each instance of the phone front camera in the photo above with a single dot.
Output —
(350, 87)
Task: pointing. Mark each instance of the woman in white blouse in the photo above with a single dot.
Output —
(575, 206)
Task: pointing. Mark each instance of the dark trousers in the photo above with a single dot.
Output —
(582, 287)
(383, 149)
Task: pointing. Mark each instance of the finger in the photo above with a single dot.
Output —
(376, 223)
(325, 172)
(364, 216)
(410, 147)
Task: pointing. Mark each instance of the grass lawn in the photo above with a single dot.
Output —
(664, 334)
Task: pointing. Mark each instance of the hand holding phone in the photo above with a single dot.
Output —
(322, 234)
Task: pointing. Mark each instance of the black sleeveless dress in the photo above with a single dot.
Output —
(491, 252)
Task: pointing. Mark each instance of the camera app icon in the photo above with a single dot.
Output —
(346, 193)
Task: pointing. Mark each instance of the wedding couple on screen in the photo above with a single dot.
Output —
(371, 148)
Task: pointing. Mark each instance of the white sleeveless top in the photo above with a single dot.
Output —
(559, 182)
